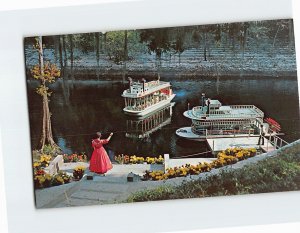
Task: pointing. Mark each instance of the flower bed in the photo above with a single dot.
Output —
(126, 159)
(45, 180)
(42, 162)
(74, 158)
(227, 157)
(78, 172)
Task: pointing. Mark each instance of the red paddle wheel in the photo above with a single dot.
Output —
(274, 125)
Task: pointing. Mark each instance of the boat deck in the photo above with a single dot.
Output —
(186, 132)
(225, 112)
(219, 144)
(152, 88)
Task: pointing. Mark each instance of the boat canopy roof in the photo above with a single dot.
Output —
(138, 89)
(224, 113)
(215, 103)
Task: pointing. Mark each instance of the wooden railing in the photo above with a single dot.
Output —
(275, 141)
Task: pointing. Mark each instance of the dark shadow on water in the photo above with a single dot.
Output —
(80, 111)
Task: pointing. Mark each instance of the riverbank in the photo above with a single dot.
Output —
(98, 73)
(270, 172)
(276, 171)
(108, 189)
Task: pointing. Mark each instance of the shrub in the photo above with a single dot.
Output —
(42, 181)
(57, 180)
(227, 157)
(274, 174)
(78, 172)
(51, 150)
(133, 159)
(75, 158)
(159, 193)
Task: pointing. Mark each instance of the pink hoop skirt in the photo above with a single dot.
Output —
(100, 162)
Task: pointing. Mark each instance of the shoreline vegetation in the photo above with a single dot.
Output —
(90, 74)
(278, 173)
(256, 48)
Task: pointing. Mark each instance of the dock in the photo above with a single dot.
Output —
(219, 144)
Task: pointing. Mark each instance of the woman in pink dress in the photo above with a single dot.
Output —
(100, 162)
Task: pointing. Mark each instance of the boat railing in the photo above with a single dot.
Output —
(215, 114)
(275, 141)
(241, 106)
(230, 132)
(153, 88)
(201, 112)
(247, 107)
(220, 132)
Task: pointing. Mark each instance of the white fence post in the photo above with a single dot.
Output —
(166, 161)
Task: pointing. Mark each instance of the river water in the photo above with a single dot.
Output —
(80, 110)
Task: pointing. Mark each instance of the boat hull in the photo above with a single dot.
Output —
(150, 109)
(186, 132)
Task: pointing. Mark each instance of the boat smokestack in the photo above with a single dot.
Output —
(130, 81)
(203, 100)
(144, 81)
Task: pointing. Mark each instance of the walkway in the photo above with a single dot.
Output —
(108, 189)
(219, 144)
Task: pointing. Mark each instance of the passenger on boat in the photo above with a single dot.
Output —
(261, 136)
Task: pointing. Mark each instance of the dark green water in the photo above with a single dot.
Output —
(90, 106)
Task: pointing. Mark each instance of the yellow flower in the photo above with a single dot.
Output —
(79, 168)
(36, 164)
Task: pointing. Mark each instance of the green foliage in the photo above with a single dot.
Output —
(50, 72)
(51, 150)
(115, 45)
(159, 193)
(85, 42)
(157, 40)
(275, 174)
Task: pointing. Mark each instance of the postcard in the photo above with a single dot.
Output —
(163, 113)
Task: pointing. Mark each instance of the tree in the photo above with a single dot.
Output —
(178, 45)
(46, 73)
(281, 25)
(202, 33)
(117, 48)
(97, 49)
(64, 50)
(157, 41)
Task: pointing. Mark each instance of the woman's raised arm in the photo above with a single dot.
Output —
(109, 137)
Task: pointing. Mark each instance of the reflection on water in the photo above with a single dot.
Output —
(143, 127)
(88, 107)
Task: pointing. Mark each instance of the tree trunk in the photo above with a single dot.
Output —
(65, 50)
(56, 49)
(71, 57)
(46, 126)
(104, 43)
(276, 36)
(47, 137)
(291, 34)
(97, 44)
(204, 53)
(125, 55)
(60, 53)
(158, 63)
